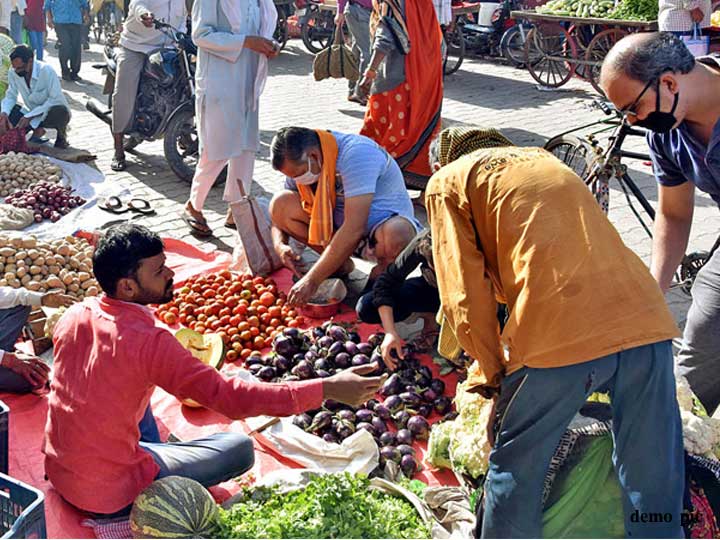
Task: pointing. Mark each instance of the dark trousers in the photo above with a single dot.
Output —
(415, 296)
(12, 321)
(58, 117)
(70, 36)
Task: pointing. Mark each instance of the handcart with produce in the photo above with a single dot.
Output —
(571, 37)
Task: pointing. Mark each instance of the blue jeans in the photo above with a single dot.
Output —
(36, 43)
(209, 460)
(148, 427)
(16, 23)
(533, 411)
(12, 321)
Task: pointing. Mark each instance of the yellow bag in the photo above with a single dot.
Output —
(337, 61)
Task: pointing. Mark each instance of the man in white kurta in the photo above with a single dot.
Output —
(233, 40)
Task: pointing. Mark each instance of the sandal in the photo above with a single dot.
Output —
(198, 227)
(118, 164)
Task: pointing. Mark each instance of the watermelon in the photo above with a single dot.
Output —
(174, 507)
(207, 348)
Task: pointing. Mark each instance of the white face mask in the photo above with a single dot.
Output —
(308, 177)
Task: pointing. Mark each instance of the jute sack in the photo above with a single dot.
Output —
(337, 61)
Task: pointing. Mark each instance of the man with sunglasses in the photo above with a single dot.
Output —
(658, 84)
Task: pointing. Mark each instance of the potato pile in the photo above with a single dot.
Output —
(64, 264)
(21, 171)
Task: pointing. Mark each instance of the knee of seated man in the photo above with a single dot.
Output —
(240, 446)
(392, 237)
(284, 205)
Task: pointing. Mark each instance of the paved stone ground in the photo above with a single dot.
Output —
(482, 92)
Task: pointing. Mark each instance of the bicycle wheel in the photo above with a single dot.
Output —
(317, 32)
(596, 52)
(550, 52)
(454, 50)
(689, 267)
(512, 45)
(580, 156)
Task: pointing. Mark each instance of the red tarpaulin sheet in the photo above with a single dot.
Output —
(28, 413)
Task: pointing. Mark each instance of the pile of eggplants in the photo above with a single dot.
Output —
(399, 415)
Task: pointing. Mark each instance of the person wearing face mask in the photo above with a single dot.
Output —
(344, 195)
(43, 103)
(110, 356)
(659, 85)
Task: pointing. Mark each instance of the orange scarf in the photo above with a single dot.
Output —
(320, 204)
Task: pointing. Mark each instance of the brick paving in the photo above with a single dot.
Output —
(482, 92)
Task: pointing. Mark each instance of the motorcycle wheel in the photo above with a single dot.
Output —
(512, 46)
(317, 31)
(453, 50)
(181, 144)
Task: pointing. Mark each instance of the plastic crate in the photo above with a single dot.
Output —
(22, 510)
(4, 432)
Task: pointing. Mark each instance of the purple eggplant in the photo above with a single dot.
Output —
(291, 333)
(323, 374)
(298, 357)
(351, 348)
(393, 403)
(411, 399)
(382, 411)
(375, 340)
(303, 421)
(267, 373)
(406, 450)
(364, 415)
(337, 333)
(371, 404)
(345, 429)
(346, 415)
(330, 438)
(318, 332)
(360, 360)
(268, 360)
(253, 361)
(449, 417)
(392, 386)
(379, 425)
(390, 453)
(408, 465)
(311, 356)
(335, 349)
(367, 427)
(426, 409)
(401, 419)
(284, 345)
(419, 427)
(428, 395)
(365, 348)
(342, 360)
(442, 405)
(325, 342)
(281, 364)
(404, 436)
(303, 370)
(437, 386)
(322, 420)
(386, 439)
(354, 337)
(321, 363)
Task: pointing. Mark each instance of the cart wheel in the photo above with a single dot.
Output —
(582, 36)
(596, 52)
(453, 49)
(550, 52)
(580, 156)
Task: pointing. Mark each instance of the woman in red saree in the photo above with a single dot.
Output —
(405, 81)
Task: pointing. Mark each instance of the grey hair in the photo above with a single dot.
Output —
(654, 55)
(434, 151)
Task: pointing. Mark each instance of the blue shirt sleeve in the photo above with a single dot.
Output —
(667, 172)
(360, 167)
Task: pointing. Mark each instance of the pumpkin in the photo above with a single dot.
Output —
(174, 507)
(208, 348)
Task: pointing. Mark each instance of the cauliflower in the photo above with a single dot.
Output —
(462, 443)
(52, 321)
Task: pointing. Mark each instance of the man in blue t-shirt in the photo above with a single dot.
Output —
(658, 84)
(372, 216)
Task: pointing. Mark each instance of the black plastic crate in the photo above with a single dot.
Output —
(22, 510)
(4, 433)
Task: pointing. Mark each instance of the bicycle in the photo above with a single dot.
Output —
(597, 166)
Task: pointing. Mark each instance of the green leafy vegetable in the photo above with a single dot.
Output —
(329, 506)
(636, 10)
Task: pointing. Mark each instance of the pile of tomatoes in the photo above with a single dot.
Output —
(246, 311)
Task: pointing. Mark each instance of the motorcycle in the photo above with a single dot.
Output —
(495, 33)
(165, 102)
(317, 24)
(285, 9)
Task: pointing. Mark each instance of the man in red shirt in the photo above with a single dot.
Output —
(110, 356)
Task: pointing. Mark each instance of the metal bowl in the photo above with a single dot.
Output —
(327, 300)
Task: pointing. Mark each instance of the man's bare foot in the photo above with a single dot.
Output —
(230, 220)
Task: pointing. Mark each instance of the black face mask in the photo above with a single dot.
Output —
(21, 73)
(658, 121)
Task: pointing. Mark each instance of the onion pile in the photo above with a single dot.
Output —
(20, 171)
(396, 419)
(46, 200)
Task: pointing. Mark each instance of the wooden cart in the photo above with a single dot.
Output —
(560, 47)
